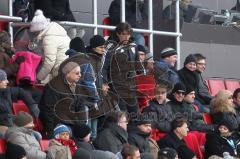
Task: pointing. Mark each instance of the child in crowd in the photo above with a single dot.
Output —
(61, 147)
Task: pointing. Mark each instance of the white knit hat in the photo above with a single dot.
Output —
(39, 21)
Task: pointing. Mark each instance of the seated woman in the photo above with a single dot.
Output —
(224, 139)
(61, 147)
(222, 107)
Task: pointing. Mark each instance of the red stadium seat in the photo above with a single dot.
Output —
(19, 106)
(106, 32)
(2, 146)
(192, 142)
(232, 84)
(207, 118)
(157, 135)
(145, 85)
(44, 144)
(215, 85)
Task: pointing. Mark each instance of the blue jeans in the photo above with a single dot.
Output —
(92, 123)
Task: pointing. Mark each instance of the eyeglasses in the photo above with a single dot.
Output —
(202, 64)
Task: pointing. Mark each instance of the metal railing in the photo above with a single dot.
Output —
(96, 26)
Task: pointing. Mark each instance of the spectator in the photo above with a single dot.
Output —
(121, 66)
(159, 109)
(236, 101)
(167, 153)
(195, 118)
(77, 53)
(81, 154)
(139, 133)
(176, 98)
(62, 100)
(96, 51)
(15, 151)
(81, 134)
(61, 147)
(170, 12)
(55, 43)
(130, 152)
(6, 53)
(76, 46)
(59, 10)
(175, 139)
(222, 107)
(114, 135)
(187, 74)
(142, 53)
(224, 139)
(237, 6)
(202, 95)
(136, 12)
(165, 68)
(10, 94)
(22, 134)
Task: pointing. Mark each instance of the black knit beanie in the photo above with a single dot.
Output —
(77, 44)
(190, 58)
(179, 87)
(81, 130)
(97, 40)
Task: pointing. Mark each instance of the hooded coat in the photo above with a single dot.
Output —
(55, 43)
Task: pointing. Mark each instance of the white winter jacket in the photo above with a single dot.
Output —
(55, 43)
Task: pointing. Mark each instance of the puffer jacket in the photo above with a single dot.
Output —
(24, 137)
(55, 43)
(57, 150)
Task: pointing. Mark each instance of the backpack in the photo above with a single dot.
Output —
(24, 9)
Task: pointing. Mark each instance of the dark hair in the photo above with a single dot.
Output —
(128, 150)
(124, 26)
(178, 122)
(113, 118)
(199, 56)
(235, 93)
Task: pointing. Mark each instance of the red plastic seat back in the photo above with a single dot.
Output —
(106, 21)
(2, 146)
(231, 85)
(44, 144)
(215, 85)
(207, 118)
(192, 142)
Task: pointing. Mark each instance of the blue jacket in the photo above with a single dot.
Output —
(165, 71)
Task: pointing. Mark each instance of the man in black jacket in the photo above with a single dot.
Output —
(159, 109)
(139, 132)
(175, 139)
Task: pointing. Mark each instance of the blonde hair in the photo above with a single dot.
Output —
(220, 102)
